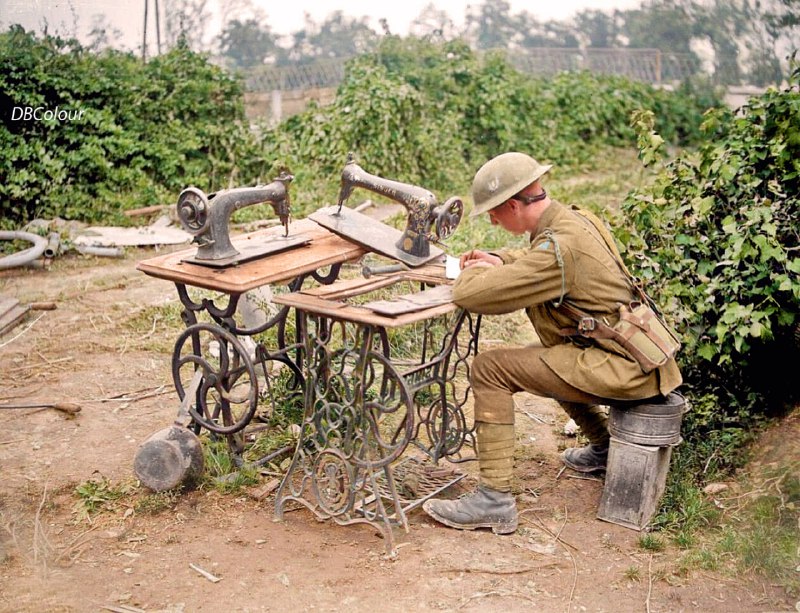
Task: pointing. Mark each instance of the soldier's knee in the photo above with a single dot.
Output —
(483, 368)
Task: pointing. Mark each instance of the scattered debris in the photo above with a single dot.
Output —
(123, 609)
(205, 573)
(715, 488)
(21, 258)
(70, 408)
(158, 233)
(147, 210)
(11, 313)
(571, 428)
(262, 492)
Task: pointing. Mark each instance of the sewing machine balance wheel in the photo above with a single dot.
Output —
(193, 210)
(448, 216)
(227, 396)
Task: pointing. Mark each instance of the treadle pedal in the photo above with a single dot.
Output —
(416, 481)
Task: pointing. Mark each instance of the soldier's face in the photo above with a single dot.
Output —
(507, 217)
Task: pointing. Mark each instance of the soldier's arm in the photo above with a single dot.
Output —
(532, 279)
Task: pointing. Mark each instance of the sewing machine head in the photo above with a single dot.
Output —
(427, 220)
(208, 217)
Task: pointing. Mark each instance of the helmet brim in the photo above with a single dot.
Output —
(500, 197)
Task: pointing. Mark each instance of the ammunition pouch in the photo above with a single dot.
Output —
(640, 331)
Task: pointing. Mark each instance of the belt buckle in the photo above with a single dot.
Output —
(587, 324)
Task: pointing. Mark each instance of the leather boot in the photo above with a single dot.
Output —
(589, 459)
(483, 508)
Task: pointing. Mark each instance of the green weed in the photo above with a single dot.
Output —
(154, 328)
(98, 494)
(651, 542)
(157, 502)
(764, 535)
(222, 473)
(633, 573)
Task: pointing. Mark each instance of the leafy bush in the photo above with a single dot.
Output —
(716, 239)
(414, 111)
(144, 132)
(430, 114)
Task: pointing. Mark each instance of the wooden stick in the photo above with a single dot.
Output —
(65, 407)
(146, 210)
(205, 573)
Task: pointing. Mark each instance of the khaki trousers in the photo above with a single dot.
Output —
(500, 373)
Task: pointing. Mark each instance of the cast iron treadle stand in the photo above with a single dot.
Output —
(235, 374)
(228, 395)
(362, 409)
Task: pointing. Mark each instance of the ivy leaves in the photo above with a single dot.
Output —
(717, 236)
(146, 130)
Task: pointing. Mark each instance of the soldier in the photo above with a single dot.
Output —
(571, 259)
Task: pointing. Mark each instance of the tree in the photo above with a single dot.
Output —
(434, 22)
(660, 24)
(491, 25)
(596, 29)
(338, 36)
(185, 23)
(777, 36)
(102, 33)
(246, 43)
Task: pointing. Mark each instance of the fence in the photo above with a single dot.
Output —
(649, 65)
(277, 92)
(321, 74)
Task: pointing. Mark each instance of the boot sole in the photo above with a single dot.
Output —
(497, 528)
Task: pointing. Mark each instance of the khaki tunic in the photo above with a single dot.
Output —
(590, 279)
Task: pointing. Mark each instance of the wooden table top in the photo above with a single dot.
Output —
(324, 249)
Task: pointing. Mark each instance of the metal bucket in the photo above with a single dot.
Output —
(651, 423)
(168, 458)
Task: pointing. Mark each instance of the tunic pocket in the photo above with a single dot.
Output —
(593, 358)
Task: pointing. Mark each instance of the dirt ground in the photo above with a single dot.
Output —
(561, 559)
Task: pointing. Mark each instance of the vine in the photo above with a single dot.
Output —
(716, 239)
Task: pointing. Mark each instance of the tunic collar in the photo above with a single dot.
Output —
(554, 211)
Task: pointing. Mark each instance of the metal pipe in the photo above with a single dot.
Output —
(368, 271)
(109, 252)
(26, 256)
(53, 243)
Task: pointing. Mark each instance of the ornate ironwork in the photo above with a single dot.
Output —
(362, 409)
(239, 380)
(227, 396)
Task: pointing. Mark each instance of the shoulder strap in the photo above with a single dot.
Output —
(608, 240)
(611, 246)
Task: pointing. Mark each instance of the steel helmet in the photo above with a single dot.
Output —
(502, 177)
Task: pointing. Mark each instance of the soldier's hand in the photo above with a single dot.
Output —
(476, 257)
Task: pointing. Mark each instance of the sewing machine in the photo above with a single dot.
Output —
(207, 217)
(427, 221)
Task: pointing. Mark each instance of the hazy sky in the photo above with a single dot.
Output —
(68, 17)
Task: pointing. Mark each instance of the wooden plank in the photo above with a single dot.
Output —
(357, 314)
(255, 248)
(12, 317)
(347, 288)
(409, 303)
(324, 249)
(371, 233)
